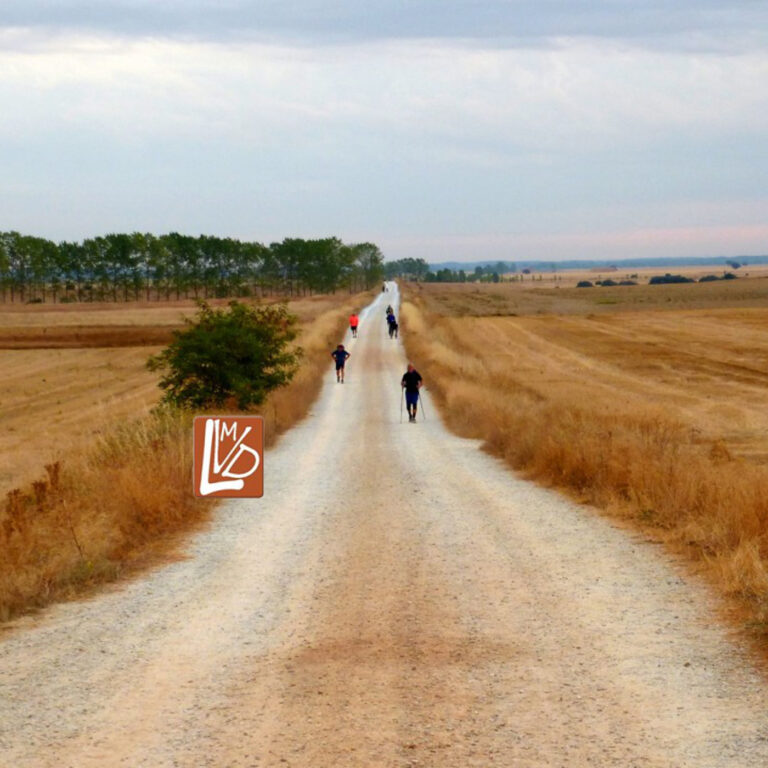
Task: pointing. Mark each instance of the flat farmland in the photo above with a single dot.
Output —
(557, 294)
(706, 368)
(696, 352)
(70, 371)
(650, 402)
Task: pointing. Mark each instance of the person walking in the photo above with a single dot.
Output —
(411, 383)
(340, 355)
(354, 320)
(391, 322)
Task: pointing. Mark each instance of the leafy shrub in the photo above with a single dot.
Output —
(609, 283)
(712, 278)
(665, 279)
(584, 284)
(241, 353)
(627, 282)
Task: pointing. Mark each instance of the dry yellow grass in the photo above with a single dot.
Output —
(658, 416)
(550, 296)
(114, 492)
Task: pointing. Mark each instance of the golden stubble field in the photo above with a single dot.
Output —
(648, 401)
(70, 371)
(94, 485)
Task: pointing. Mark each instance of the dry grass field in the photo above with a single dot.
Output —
(652, 403)
(71, 370)
(558, 294)
(91, 480)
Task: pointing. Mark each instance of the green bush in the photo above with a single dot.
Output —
(240, 353)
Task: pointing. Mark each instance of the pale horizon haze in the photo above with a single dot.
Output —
(442, 129)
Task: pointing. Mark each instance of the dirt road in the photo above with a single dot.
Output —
(397, 598)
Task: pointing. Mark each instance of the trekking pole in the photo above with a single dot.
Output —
(401, 404)
(423, 412)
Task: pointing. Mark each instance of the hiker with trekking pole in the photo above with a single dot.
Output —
(410, 385)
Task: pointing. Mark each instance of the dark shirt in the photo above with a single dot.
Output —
(340, 356)
(411, 381)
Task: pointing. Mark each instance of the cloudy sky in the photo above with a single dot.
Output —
(447, 129)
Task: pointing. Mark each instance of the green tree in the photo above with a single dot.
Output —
(240, 353)
(370, 262)
(5, 264)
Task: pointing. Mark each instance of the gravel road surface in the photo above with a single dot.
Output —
(397, 598)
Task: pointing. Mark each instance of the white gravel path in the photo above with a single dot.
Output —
(396, 598)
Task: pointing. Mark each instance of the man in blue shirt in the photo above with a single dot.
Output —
(340, 355)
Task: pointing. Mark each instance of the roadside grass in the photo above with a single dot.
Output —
(593, 424)
(123, 500)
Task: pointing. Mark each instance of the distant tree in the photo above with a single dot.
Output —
(668, 278)
(409, 269)
(240, 353)
(370, 263)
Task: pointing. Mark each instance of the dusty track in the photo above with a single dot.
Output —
(397, 598)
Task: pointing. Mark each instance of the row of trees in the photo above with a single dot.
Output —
(418, 269)
(122, 267)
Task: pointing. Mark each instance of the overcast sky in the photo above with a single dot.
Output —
(446, 129)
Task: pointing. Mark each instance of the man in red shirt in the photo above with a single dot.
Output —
(353, 323)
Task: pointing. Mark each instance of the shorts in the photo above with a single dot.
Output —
(353, 327)
(340, 366)
(411, 398)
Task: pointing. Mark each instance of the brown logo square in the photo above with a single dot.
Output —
(229, 456)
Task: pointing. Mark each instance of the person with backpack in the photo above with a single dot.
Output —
(340, 355)
(391, 322)
(354, 320)
(411, 383)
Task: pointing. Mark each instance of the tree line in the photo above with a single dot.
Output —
(419, 270)
(125, 267)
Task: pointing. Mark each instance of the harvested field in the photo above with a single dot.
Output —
(659, 415)
(71, 370)
(92, 485)
(559, 295)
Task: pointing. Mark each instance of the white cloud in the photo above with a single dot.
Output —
(411, 137)
(578, 94)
